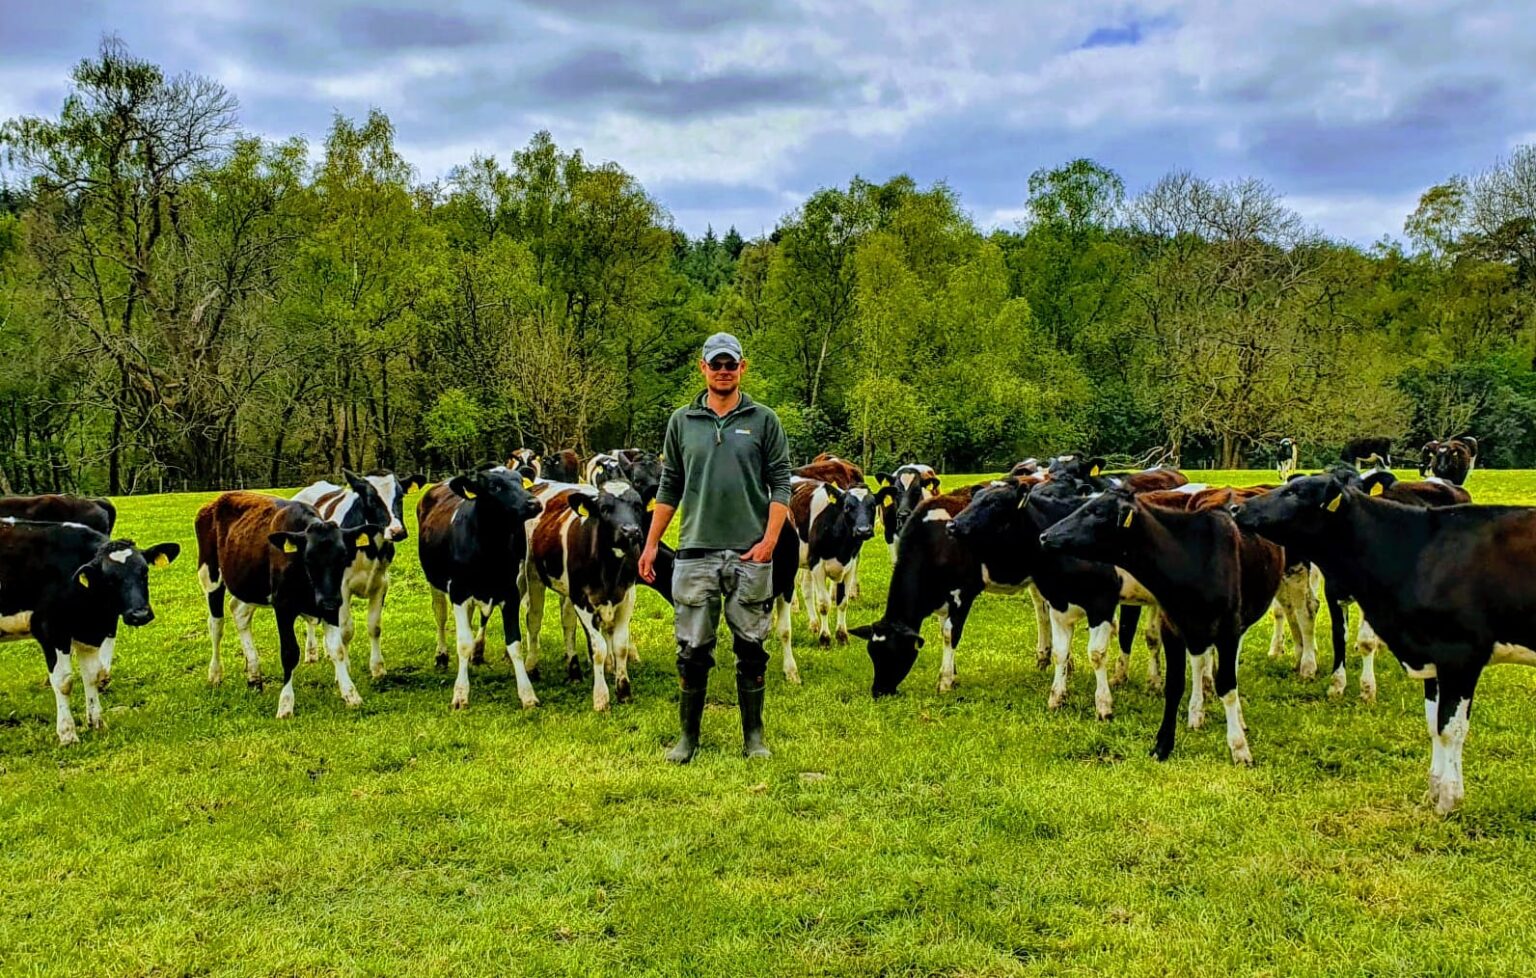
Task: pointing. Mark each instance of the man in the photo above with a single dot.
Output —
(726, 463)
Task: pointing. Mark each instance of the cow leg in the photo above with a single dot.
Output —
(1207, 666)
(464, 642)
(1454, 716)
(851, 579)
(1042, 628)
(1063, 624)
(619, 641)
(336, 647)
(533, 598)
(375, 630)
(60, 676)
(568, 625)
(440, 616)
(803, 583)
(311, 646)
(1098, 656)
(782, 627)
(1130, 616)
(821, 590)
(1226, 688)
(1173, 692)
(1153, 636)
(1436, 754)
(89, 658)
(1197, 689)
(1369, 644)
(601, 656)
(478, 657)
(108, 648)
(1277, 630)
(947, 662)
(514, 640)
(243, 614)
(844, 595)
(288, 650)
(1338, 622)
(215, 634)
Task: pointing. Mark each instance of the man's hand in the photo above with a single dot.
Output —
(762, 553)
(647, 566)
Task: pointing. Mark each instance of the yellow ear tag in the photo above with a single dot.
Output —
(527, 482)
(650, 506)
(161, 560)
(1129, 515)
(362, 540)
(289, 547)
(1333, 504)
(84, 581)
(1377, 488)
(469, 494)
(1094, 471)
(1024, 501)
(888, 503)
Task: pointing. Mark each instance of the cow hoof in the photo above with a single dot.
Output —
(842, 636)
(68, 736)
(477, 657)
(824, 640)
(632, 654)
(600, 704)
(97, 723)
(530, 701)
(441, 661)
(946, 683)
(460, 697)
(1336, 685)
(1104, 707)
(572, 671)
(351, 697)
(1042, 658)
(1307, 669)
(378, 671)
(792, 676)
(1197, 720)
(311, 655)
(621, 693)
(1368, 694)
(1162, 750)
(1241, 755)
(255, 682)
(1058, 697)
(215, 676)
(1155, 683)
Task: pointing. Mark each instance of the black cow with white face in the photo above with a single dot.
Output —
(642, 470)
(1286, 454)
(68, 586)
(899, 494)
(1451, 460)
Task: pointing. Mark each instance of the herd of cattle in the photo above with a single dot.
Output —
(1448, 586)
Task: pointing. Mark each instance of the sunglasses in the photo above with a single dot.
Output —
(723, 364)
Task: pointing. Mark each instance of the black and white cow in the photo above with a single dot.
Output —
(833, 525)
(269, 551)
(1368, 453)
(1286, 454)
(642, 470)
(1451, 460)
(473, 545)
(377, 500)
(67, 586)
(1452, 590)
(527, 463)
(600, 468)
(586, 547)
(899, 494)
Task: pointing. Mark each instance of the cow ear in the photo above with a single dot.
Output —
(866, 632)
(359, 485)
(1377, 488)
(650, 507)
(833, 493)
(162, 554)
(581, 505)
(288, 543)
(463, 485)
(1130, 517)
(86, 576)
(413, 482)
(1095, 466)
(884, 478)
(932, 483)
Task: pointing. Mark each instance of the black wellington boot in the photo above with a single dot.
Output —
(690, 710)
(749, 692)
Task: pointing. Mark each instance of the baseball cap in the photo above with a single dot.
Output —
(721, 343)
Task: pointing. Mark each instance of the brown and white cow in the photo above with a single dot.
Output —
(832, 524)
(829, 468)
(562, 466)
(377, 499)
(473, 545)
(269, 551)
(586, 547)
(98, 514)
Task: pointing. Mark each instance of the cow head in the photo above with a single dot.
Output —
(856, 510)
(117, 579)
(393, 489)
(600, 468)
(642, 470)
(1096, 530)
(499, 490)
(892, 650)
(526, 461)
(1076, 467)
(1427, 456)
(992, 512)
(325, 551)
(619, 513)
(1296, 514)
(900, 493)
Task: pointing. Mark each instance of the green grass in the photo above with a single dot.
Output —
(970, 833)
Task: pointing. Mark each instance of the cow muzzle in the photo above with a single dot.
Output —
(139, 616)
(397, 534)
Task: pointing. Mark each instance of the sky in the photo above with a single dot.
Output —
(732, 113)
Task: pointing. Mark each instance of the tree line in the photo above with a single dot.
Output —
(186, 306)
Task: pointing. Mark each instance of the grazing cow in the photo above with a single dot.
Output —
(833, 525)
(899, 494)
(1368, 453)
(526, 462)
(1090, 471)
(1210, 580)
(1451, 460)
(269, 551)
(67, 585)
(586, 546)
(1286, 454)
(98, 514)
(1452, 590)
(830, 468)
(642, 470)
(378, 499)
(562, 466)
(936, 575)
(1002, 526)
(473, 545)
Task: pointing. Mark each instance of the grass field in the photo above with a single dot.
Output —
(969, 833)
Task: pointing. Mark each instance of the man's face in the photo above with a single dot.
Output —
(723, 373)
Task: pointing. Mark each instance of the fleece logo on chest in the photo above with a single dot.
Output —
(743, 431)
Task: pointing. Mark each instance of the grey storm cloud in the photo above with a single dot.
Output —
(686, 16)
(392, 28)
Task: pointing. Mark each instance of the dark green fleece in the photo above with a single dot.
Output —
(724, 472)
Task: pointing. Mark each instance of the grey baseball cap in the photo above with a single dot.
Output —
(721, 343)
